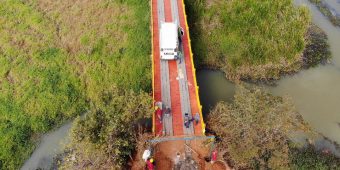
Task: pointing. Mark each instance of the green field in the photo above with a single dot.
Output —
(60, 58)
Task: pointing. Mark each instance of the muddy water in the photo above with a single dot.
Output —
(214, 87)
(50, 145)
(334, 4)
(315, 92)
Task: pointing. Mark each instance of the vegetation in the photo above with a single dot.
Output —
(317, 48)
(58, 59)
(249, 39)
(106, 137)
(310, 158)
(326, 10)
(262, 123)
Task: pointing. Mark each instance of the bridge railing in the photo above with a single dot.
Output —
(153, 68)
(193, 69)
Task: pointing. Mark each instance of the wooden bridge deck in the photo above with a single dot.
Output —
(174, 82)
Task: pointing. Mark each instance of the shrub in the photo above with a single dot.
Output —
(106, 137)
(256, 129)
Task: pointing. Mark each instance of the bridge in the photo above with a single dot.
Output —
(174, 81)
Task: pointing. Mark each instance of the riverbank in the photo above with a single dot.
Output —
(317, 50)
(327, 10)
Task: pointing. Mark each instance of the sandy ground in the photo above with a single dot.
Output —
(165, 153)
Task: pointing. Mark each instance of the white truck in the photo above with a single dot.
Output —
(170, 34)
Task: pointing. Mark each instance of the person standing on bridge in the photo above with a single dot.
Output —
(159, 113)
(180, 33)
(149, 164)
(213, 156)
(179, 57)
(167, 112)
(186, 120)
(177, 160)
(180, 37)
(197, 118)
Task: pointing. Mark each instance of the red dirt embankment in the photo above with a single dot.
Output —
(165, 153)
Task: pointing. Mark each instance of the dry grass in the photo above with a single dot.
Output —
(80, 23)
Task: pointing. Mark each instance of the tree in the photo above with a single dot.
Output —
(254, 129)
(106, 137)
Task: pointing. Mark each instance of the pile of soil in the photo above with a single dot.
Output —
(219, 166)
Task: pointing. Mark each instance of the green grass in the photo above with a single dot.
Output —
(57, 59)
(250, 38)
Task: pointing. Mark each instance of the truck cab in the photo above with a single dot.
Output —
(169, 41)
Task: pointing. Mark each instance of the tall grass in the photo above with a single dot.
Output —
(58, 58)
(250, 38)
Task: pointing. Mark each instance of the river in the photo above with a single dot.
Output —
(334, 5)
(315, 92)
(51, 144)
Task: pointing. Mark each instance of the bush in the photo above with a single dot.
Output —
(256, 129)
(106, 137)
(309, 158)
(317, 49)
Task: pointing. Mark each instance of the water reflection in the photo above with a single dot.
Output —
(214, 87)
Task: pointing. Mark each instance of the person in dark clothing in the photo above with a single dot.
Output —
(197, 118)
(180, 33)
(187, 120)
(167, 112)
